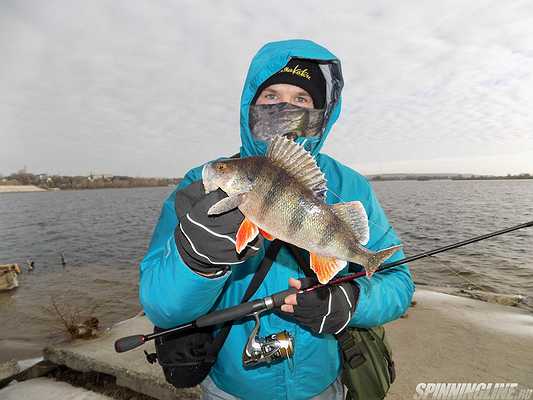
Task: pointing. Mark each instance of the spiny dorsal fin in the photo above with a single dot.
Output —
(299, 163)
(354, 214)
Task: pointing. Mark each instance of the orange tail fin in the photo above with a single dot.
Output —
(246, 233)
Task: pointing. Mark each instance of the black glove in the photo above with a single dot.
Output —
(327, 309)
(207, 242)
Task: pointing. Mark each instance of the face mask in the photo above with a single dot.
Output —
(270, 120)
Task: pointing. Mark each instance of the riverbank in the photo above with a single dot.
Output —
(20, 188)
(448, 338)
(444, 338)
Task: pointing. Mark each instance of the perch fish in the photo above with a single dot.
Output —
(282, 195)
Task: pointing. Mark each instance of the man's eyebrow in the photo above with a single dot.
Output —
(303, 93)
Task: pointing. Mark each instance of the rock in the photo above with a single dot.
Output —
(86, 330)
(497, 298)
(8, 276)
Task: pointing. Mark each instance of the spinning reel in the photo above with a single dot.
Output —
(267, 349)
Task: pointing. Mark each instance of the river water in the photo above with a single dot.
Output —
(103, 234)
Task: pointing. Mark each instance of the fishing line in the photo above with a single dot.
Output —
(441, 264)
(336, 195)
(385, 230)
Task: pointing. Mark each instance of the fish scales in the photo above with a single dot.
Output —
(280, 205)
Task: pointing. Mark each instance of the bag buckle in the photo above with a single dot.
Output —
(150, 357)
(354, 357)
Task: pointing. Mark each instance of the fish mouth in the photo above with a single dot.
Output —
(207, 175)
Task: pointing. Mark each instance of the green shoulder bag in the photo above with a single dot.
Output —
(368, 368)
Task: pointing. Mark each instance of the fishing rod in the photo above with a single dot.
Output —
(253, 308)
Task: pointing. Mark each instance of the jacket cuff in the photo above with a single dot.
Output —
(204, 269)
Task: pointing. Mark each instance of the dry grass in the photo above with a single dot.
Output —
(76, 321)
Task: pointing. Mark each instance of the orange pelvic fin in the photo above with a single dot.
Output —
(266, 235)
(326, 267)
(246, 233)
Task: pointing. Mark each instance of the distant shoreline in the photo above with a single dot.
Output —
(33, 188)
(20, 188)
(493, 178)
(60, 182)
(447, 178)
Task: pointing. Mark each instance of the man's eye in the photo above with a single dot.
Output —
(270, 96)
(301, 99)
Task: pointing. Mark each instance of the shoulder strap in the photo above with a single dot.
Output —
(300, 256)
(270, 255)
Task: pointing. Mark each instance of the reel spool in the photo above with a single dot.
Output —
(268, 349)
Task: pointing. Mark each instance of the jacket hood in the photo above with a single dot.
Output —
(270, 59)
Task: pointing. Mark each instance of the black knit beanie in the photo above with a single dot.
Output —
(302, 73)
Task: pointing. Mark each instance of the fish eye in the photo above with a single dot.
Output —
(220, 167)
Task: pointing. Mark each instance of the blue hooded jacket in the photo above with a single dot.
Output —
(172, 294)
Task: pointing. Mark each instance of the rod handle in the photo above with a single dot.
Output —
(231, 313)
(129, 343)
(279, 298)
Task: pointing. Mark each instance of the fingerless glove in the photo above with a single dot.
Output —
(206, 243)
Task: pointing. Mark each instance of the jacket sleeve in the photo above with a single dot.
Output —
(386, 295)
(169, 291)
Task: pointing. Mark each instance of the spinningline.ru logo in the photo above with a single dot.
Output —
(478, 391)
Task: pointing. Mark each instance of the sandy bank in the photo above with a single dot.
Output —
(448, 338)
(20, 188)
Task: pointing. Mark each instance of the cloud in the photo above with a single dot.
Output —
(152, 88)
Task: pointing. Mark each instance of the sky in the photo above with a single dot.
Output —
(152, 88)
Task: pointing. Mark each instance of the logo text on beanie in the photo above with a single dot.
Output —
(304, 73)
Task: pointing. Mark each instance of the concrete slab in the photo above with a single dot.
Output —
(130, 369)
(47, 389)
(9, 368)
(26, 369)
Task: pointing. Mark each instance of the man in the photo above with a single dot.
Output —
(192, 267)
